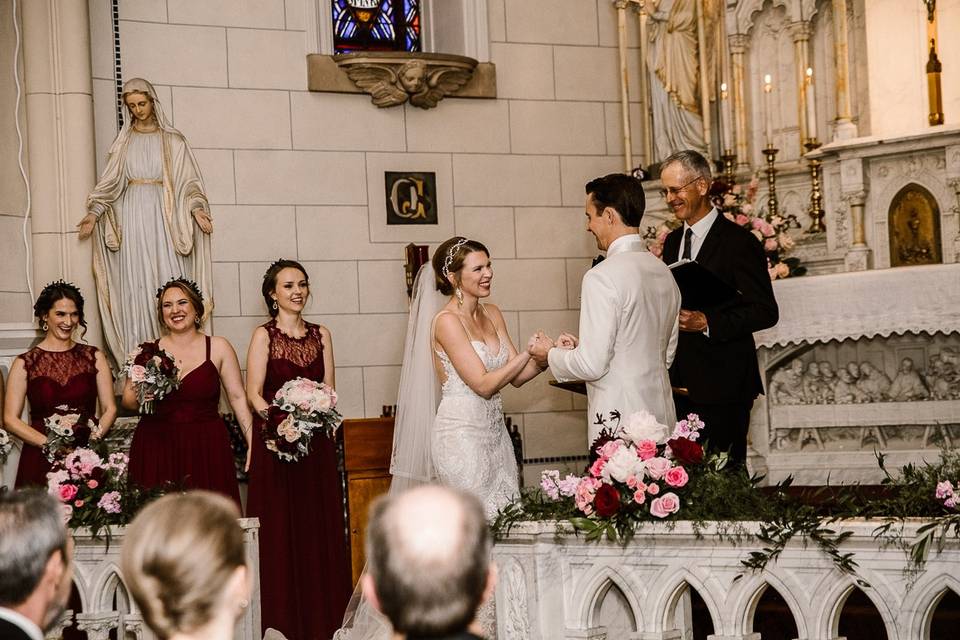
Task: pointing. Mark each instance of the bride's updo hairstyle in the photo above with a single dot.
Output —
(178, 556)
(449, 257)
(270, 281)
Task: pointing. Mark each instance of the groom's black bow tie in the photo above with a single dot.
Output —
(596, 261)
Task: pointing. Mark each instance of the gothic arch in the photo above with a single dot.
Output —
(669, 597)
(746, 608)
(922, 601)
(588, 596)
(746, 12)
(829, 617)
(108, 585)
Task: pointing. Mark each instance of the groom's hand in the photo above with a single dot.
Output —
(693, 321)
(567, 341)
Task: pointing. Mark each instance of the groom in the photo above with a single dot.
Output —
(629, 306)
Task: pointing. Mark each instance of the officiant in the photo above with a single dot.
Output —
(715, 372)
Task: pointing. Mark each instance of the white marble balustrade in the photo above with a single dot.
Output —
(107, 604)
(553, 586)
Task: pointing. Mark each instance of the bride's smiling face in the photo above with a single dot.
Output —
(476, 274)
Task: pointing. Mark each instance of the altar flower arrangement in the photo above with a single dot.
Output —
(946, 494)
(154, 374)
(92, 487)
(66, 430)
(737, 203)
(300, 409)
(638, 470)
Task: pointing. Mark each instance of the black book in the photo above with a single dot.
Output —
(700, 288)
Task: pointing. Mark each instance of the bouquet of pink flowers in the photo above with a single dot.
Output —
(637, 471)
(947, 494)
(91, 487)
(153, 373)
(66, 429)
(300, 409)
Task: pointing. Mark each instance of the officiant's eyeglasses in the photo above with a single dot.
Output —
(673, 191)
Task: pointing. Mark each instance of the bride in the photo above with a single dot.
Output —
(449, 427)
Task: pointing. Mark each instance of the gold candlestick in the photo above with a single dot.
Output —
(773, 207)
(729, 159)
(816, 196)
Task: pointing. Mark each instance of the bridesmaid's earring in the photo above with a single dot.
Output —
(44, 326)
(275, 305)
(196, 321)
(459, 297)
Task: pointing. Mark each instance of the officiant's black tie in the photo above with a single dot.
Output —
(687, 241)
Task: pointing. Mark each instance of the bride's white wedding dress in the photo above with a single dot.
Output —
(471, 447)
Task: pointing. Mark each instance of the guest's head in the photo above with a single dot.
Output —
(180, 306)
(59, 310)
(286, 286)
(614, 207)
(686, 178)
(428, 560)
(184, 562)
(35, 556)
(465, 264)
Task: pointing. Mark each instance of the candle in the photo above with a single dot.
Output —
(811, 95)
(726, 131)
(767, 111)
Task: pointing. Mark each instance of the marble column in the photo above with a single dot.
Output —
(853, 189)
(60, 139)
(800, 34)
(844, 127)
(738, 48)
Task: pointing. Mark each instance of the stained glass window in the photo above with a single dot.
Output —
(376, 25)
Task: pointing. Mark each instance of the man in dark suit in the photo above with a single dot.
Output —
(35, 566)
(428, 563)
(716, 360)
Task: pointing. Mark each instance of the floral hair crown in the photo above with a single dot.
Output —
(62, 284)
(190, 284)
(451, 252)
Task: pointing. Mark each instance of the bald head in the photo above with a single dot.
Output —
(428, 555)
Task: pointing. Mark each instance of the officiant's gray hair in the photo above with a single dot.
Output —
(692, 162)
(31, 530)
(428, 555)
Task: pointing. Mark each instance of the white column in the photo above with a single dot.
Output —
(800, 33)
(844, 127)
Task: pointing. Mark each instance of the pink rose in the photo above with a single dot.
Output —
(586, 492)
(138, 373)
(656, 467)
(665, 505)
(67, 491)
(608, 449)
(78, 504)
(596, 469)
(676, 477)
(653, 488)
(646, 449)
(639, 496)
(92, 484)
(950, 503)
(742, 220)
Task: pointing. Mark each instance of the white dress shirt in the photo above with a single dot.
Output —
(700, 230)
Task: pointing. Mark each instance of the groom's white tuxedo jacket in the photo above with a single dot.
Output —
(629, 307)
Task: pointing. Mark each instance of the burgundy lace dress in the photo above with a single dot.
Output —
(185, 442)
(54, 379)
(304, 573)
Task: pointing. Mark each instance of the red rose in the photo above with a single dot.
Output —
(607, 501)
(686, 451)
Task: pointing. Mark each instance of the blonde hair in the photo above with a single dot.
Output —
(178, 556)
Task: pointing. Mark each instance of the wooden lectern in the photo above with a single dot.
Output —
(367, 445)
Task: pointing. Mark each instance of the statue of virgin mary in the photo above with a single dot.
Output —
(150, 220)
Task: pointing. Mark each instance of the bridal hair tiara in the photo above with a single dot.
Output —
(190, 284)
(451, 252)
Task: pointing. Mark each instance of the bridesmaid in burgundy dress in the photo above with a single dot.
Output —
(304, 573)
(58, 371)
(185, 441)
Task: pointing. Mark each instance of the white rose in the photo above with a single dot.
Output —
(623, 464)
(643, 425)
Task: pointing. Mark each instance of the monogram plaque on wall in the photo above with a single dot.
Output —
(411, 197)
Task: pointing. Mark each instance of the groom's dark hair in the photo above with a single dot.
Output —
(620, 192)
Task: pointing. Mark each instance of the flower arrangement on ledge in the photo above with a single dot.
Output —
(738, 204)
(640, 472)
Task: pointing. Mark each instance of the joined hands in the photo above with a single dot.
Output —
(539, 345)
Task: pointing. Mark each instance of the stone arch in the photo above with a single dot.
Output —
(837, 598)
(922, 601)
(111, 588)
(917, 198)
(593, 588)
(754, 594)
(669, 598)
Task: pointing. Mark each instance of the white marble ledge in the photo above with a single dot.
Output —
(865, 146)
(556, 585)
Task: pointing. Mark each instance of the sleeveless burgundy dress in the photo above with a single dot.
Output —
(304, 572)
(186, 441)
(55, 378)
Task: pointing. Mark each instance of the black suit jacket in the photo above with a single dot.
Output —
(723, 368)
(10, 631)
